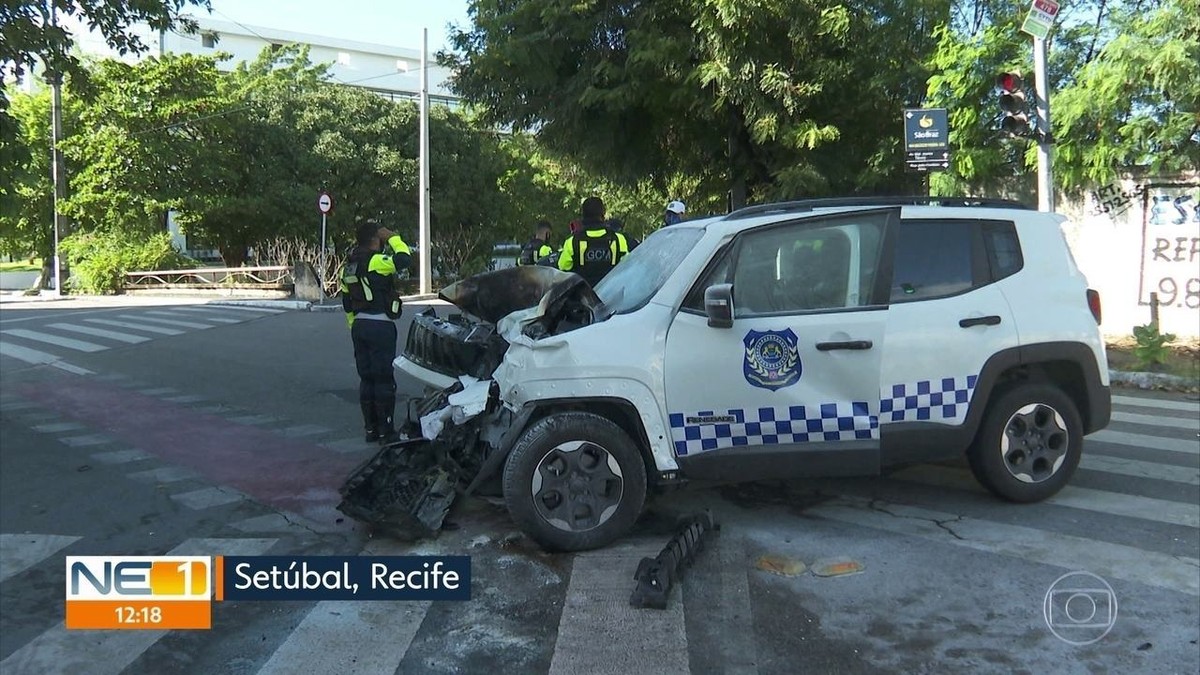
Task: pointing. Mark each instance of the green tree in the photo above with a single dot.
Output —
(1135, 106)
(26, 211)
(1124, 77)
(764, 99)
(33, 31)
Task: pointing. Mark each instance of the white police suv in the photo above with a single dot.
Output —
(819, 338)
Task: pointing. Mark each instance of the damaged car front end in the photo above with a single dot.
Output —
(455, 438)
(547, 391)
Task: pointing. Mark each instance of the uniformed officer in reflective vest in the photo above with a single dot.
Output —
(594, 250)
(371, 300)
(538, 247)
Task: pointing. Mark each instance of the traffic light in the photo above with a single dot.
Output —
(1012, 103)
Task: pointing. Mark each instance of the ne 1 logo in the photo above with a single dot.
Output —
(138, 592)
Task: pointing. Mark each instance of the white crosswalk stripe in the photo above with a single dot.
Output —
(100, 332)
(1177, 573)
(1157, 421)
(177, 315)
(241, 308)
(1141, 401)
(596, 615)
(26, 354)
(61, 651)
(1113, 503)
(351, 637)
(1140, 469)
(136, 326)
(77, 345)
(19, 552)
(166, 322)
(1148, 442)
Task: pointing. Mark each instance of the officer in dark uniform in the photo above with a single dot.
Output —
(538, 247)
(371, 301)
(594, 250)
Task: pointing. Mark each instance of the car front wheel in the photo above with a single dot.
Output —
(1029, 443)
(574, 481)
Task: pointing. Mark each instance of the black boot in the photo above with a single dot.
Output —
(384, 429)
(370, 421)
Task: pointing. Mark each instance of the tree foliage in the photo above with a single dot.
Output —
(1124, 80)
(764, 99)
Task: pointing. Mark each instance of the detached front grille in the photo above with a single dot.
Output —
(454, 346)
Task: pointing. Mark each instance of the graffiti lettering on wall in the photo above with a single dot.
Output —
(1171, 246)
(1114, 201)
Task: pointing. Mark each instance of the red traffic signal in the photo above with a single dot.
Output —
(1012, 103)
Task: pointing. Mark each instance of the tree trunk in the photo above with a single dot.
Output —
(233, 256)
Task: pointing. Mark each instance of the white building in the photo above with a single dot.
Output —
(391, 71)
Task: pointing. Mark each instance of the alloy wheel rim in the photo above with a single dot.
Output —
(1035, 443)
(577, 486)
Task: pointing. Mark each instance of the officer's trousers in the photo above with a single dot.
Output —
(374, 351)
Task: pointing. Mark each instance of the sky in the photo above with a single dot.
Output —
(396, 23)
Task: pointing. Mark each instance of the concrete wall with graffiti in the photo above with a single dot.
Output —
(1136, 237)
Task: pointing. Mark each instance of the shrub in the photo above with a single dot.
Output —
(99, 260)
(1151, 346)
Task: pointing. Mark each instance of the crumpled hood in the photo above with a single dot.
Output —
(491, 296)
(538, 301)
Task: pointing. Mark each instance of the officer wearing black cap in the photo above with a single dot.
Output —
(371, 300)
(595, 249)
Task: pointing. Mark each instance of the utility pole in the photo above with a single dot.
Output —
(54, 77)
(1044, 138)
(423, 190)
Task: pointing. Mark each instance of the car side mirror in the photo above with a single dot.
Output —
(718, 305)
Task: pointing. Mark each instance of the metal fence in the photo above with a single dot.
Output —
(271, 277)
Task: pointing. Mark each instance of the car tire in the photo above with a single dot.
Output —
(1029, 443)
(574, 481)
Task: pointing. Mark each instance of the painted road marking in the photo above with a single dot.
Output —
(136, 326)
(99, 332)
(177, 315)
(109, 652)
(77, 345)
(208, 498)
(1148, 442)
(1136, 467)
(19, 552)
(261, 310)
(1157, 421)
(167, 322)
(1176, 573)
(596, 616)
(1185, 406)
(351, 637)
(1113, 503)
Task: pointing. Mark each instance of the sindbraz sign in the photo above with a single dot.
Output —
(926, 139)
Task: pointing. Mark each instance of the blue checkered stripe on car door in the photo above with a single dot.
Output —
(943, 400)
(712, 430)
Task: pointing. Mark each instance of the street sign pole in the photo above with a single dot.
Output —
(1038, 22)
(322, 273)
(324, 205)
(1044, 169)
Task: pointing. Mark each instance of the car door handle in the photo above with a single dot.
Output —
(848, 344)
(992, 320)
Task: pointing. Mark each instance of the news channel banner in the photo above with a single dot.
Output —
(178, 592)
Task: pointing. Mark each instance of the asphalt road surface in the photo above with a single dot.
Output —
(202, 429)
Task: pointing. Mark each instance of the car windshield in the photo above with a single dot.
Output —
(639, 275)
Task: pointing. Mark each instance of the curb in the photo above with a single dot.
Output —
(406, 298)
(1152, 380)
(265, 304)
